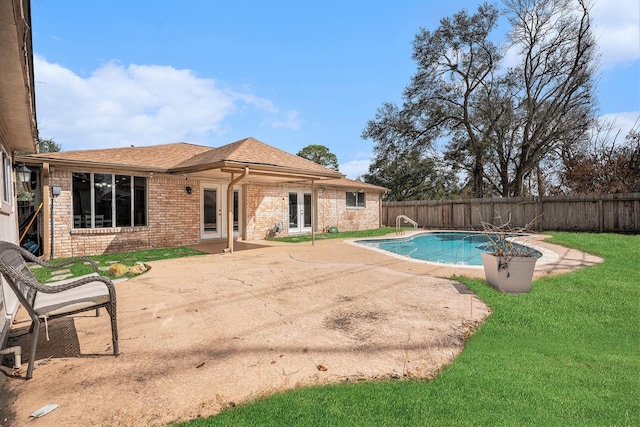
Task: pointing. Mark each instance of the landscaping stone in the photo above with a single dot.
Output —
(138, 268)
(121, 269)
(59, 277)
(61, 272)
(118, 269)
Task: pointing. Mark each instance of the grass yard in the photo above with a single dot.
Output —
(376, 232)
(104, 261)
(568, 353)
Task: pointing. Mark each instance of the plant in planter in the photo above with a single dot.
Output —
(508, 265)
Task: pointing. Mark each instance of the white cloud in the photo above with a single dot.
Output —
(291, 120)
(355, 168)
(622, 123)
(136, 105)
(617, 30)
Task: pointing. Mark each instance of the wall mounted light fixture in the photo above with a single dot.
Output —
(188, 189)
(24, 173)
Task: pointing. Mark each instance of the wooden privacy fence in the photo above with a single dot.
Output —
(596, 213)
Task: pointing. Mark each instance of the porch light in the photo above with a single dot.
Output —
(24, 173)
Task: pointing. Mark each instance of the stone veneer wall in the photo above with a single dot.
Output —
(268, 205)
(333, 211)
(265, 206)
(173, 219)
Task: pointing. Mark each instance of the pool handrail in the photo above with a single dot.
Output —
(406, 220)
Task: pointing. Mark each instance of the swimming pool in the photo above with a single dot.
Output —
(459, 248)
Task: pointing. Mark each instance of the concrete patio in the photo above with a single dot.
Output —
(202, 333)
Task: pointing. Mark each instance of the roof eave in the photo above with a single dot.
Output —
(38, 160)
(238, 167)
(17, 97)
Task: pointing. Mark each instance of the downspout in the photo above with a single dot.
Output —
(380, 210)
(230, 208)
(51, 226)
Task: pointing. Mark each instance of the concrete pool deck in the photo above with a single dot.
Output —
(203, 333)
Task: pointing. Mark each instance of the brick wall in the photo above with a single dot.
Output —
(333, 211)
(173, 220)
(265, 206)
(174, 216)
(268, 205)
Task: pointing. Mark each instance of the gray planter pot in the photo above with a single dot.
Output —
(511, 274)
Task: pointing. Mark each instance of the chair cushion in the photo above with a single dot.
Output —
(80, 298)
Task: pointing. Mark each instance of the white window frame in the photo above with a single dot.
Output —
(360, 197)
(222, 208)
(6, 180)
(301, 210)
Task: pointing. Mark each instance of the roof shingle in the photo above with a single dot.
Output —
(154, 157)
(250, 150)
(181, 156)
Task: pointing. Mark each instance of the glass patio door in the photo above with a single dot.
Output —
(214, 211)
(299, 212)
(211, 212)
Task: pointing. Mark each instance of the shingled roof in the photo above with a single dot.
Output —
(181, 157)
(250, 151)
(187, 158)
(154, 157)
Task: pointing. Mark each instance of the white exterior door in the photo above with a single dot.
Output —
(299, 211)
(213, 214)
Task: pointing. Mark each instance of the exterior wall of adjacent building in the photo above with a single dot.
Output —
(8, 233)
(174, 215)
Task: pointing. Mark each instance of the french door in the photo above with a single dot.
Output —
(213, 202)
(299, 211)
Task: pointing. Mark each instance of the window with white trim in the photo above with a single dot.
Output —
(103, 200)
(355, 199)
(7, 193)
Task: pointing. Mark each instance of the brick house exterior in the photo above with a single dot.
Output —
(181, 197)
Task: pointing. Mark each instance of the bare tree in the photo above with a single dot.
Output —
(502, 123)
(602, 165)
(559, 58)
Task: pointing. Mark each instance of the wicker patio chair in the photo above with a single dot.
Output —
(56, 299)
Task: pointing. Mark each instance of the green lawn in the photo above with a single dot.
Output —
(376, 232)
(568, 354)
(104, 261)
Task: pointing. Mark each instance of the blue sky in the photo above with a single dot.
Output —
(115, 73)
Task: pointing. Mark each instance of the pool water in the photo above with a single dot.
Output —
(444, 247)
